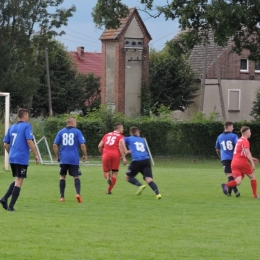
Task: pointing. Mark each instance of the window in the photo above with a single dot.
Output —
(244, 65)
(257, 67)
(234, 100)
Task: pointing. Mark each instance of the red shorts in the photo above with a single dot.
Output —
(241, 169)
(111, 162)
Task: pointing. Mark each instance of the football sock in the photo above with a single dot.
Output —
(77, 185)
(134, 181)
(254, 186)
(113, 180)
(62, 188)
(154, 187)
(9, 191)
(15, 195)
(231, 184)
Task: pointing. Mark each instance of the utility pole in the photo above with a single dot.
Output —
(48, 81)
(203, 81)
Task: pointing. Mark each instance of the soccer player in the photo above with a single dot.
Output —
(225, 145)
(17, 142)
(140, 162)
(109, 149)
(69, 139)
(240, 165)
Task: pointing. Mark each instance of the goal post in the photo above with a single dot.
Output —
(7, 116)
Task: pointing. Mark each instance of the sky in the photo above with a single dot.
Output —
(81, 30)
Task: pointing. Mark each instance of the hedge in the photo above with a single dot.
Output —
(165, 138)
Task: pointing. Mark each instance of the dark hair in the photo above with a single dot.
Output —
(227, 124)
(117, 125)
(133, 130)
(244, 129)
(21, 112)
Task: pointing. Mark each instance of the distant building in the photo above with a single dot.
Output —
(125, 64)
(87, 62)
(239, 82)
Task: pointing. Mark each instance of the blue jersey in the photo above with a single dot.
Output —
(17, 137)
(138, 148)
(69, 139)
(226, 142)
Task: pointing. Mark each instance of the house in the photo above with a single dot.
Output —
(230, 86)
(87, 62)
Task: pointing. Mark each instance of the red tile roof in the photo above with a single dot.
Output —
(90, 62)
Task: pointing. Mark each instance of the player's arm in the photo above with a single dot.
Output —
(100, 147)
(84, 151)
(123, 150)
(249, 157)
(33, 149)
(218, 152)
(7, 147)
(56, 151)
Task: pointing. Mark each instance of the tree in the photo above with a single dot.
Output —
(172, 80)
(19, 69)
(235, 19)
(70, 90)
(255, 111)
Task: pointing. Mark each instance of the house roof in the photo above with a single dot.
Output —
(112, 34)
(197, 54)
(89, 63)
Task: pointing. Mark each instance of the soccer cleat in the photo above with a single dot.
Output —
(10, 209)
(109, 193)
(62, 199)
(140, 190)
(237, 194)
(229, 194)
(224, 188)
(257, 197)
(4, 203)
(158, 196)
(79, 199)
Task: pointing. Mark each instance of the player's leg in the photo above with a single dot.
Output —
(21, 173)
(62, 184)
(131, 173)
(228, 171)
(236, 182)
(4, 199)
(253, 184)
(112, 182)
(115, 162)
(106, 165)
(75, 172)
(148, 176)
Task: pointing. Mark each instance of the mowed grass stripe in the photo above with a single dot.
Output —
(194, 220)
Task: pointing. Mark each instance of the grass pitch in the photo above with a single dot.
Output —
(193, 220)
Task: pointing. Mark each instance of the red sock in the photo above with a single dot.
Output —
(231, 184)
(254, 186)
(113, 180)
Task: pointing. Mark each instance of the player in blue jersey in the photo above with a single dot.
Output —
(225, 146)
(140, 161)
(68, 140)
(17, 142)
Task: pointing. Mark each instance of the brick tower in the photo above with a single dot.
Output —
(125, 64)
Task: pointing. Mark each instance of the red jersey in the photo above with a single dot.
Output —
(111, 142)
(240, 151)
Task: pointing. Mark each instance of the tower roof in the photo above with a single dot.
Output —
(113, 34)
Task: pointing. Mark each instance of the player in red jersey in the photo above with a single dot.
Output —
(111, 153)
(240, 165)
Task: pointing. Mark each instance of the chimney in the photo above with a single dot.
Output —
(80, 52)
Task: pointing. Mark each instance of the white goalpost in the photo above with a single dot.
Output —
(7, 116)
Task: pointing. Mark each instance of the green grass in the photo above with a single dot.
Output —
(194, 220)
